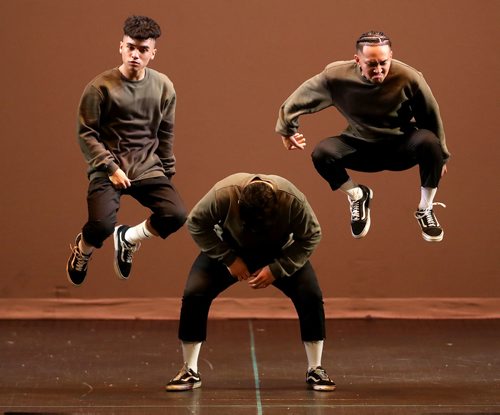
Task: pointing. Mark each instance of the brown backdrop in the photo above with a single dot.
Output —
(233, 63)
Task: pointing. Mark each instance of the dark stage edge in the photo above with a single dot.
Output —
(384, 367)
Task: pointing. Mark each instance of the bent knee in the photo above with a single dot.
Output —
(169, 223)
(319, 154)
(95, 232)
(426, 138)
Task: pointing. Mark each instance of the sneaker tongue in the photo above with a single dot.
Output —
(355, 193)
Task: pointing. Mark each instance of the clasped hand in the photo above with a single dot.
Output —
(257, 279)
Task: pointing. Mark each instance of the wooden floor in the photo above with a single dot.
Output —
(381, 367)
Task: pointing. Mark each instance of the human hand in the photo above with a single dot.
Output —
(120, 179)
(261, 278)
(444, 170)
(294, 142)
(239, 270)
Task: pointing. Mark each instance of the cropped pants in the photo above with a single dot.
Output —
(209, 277)
(157, 193)
(332, 156)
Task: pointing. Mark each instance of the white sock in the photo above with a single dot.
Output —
(190, 353)
(85, 248)
(137, 233)
(352, 190)
(427, 197)
(314, 351)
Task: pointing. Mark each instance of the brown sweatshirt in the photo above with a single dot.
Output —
(374, 112)
(216, 227)
(128, 124)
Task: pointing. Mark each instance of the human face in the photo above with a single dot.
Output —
(374, 62)
(136, 54)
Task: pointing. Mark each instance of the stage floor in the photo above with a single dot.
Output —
(381, 367)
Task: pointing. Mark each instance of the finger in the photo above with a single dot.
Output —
(257, 286)
(444, 170)
(254, 282)
(297, 144)
(299, 137)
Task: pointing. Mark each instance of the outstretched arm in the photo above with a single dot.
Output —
(312, 96)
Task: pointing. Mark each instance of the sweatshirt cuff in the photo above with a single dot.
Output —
(276, 270)
(286, 133)
(111, 168)
(229, 258)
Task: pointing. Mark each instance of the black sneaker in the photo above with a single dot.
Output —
(319, 380)
(185, 380)
(76, 268)
(360, 213)
(431, 229)
(124, 252)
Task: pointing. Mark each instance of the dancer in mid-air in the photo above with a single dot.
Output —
(126, 133)
(393, 124)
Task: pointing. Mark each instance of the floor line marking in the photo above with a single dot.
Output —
(255, 369)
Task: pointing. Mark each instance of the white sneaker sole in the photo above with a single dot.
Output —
(185, 387)
(433, 238)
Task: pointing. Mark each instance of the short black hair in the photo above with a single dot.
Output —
(372, 38)
(258, 206)
(141, 27)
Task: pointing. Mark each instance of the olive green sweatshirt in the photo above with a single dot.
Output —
(374, 112)
(128, 124)
(216, 227)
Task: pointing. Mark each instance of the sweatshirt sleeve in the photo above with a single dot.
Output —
(89, 112)
(306, 235)
(165, 149)
(204, 221)
(312, 96)
(427, 114)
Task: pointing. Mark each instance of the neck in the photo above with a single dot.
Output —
(132, 76)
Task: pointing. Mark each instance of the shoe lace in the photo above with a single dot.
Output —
(81, 259)
(428, 214)
(321, 373)
(181, 373)
(128, 250)
(185, 372)
(355, 209)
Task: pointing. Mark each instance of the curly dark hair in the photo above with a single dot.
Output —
(372, 38)
(258, 206)
(141, 27)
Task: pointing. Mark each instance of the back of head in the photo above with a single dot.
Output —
(372, 38)
(141, 27)
(258, 206)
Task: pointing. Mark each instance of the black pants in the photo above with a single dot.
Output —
(209, 277)
(333, 155)
(157, 193)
